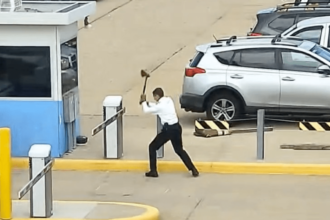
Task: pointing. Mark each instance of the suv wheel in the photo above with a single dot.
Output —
(224, 107)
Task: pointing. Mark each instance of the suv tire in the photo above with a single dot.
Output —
(227, 105)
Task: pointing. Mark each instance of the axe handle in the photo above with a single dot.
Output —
(145, 85)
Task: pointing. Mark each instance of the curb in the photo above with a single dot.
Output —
(151, 213)
(176, 166)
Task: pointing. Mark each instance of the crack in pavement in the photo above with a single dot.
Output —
(192, 211)
(159, 65)
(168, 58)
(107, 13)
(180, 49)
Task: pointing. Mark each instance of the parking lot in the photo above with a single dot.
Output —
(127, 36)
(160, 36)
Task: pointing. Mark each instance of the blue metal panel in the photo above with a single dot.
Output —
(33, 122)
(61, 129)
(78, 130)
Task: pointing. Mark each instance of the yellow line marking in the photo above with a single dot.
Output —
(177, 166)
(317, 126)
(151, 213)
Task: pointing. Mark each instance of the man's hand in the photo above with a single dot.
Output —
(143, 98)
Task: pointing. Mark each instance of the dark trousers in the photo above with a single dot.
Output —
(171, 133)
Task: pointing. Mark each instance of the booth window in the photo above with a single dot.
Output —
(25, 71)
(69, 66)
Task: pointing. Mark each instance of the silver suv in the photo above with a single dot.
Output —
(236, 76)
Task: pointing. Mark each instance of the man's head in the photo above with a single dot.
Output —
(158, 93)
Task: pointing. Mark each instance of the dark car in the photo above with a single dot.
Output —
(274, 21)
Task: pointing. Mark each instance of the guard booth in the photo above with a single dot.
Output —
(39, 72)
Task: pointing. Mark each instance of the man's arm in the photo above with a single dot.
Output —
(151, 104)
(151, 108)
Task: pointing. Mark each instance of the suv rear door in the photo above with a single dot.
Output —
(254, 74)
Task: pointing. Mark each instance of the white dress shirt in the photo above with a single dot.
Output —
(164, 108)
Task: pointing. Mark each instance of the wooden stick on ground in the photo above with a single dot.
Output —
(305, 146)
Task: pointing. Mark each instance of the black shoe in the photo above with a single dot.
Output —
(152, 174)
(195, 172)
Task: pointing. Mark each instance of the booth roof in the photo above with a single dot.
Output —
(48, 13)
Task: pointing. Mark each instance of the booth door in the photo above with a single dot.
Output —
(70, 96)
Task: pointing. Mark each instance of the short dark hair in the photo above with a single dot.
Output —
(158, 91)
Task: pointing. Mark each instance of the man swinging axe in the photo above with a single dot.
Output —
(172, 130)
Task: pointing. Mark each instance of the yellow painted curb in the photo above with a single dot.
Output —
(151, 213)
(175, 166)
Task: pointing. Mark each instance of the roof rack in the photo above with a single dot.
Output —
(277, 40)
(308, 2)
(305, 3)
(305, 6)
(235, 38)
(228, 40)
(293, 38)
(232, 38)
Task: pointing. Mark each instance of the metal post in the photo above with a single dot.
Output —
(41, 197)
(260, 134)
(160, 151)
(5, 174)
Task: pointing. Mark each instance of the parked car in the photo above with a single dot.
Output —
(236, 76)
(274, 21)
(314, 29)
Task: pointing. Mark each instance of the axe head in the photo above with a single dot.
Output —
(144, 73)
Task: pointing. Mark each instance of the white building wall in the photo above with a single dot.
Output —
(67, 32)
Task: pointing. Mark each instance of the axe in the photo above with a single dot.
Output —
(146, 76)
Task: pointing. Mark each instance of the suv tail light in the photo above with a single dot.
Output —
(255, 34)
(190, 72)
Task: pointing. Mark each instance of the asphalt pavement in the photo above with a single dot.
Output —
(182, 197)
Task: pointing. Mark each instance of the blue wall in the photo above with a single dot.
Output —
(33, 122)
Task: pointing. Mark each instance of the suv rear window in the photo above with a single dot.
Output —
(224, 57)
(283, 22)
(195, 61)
